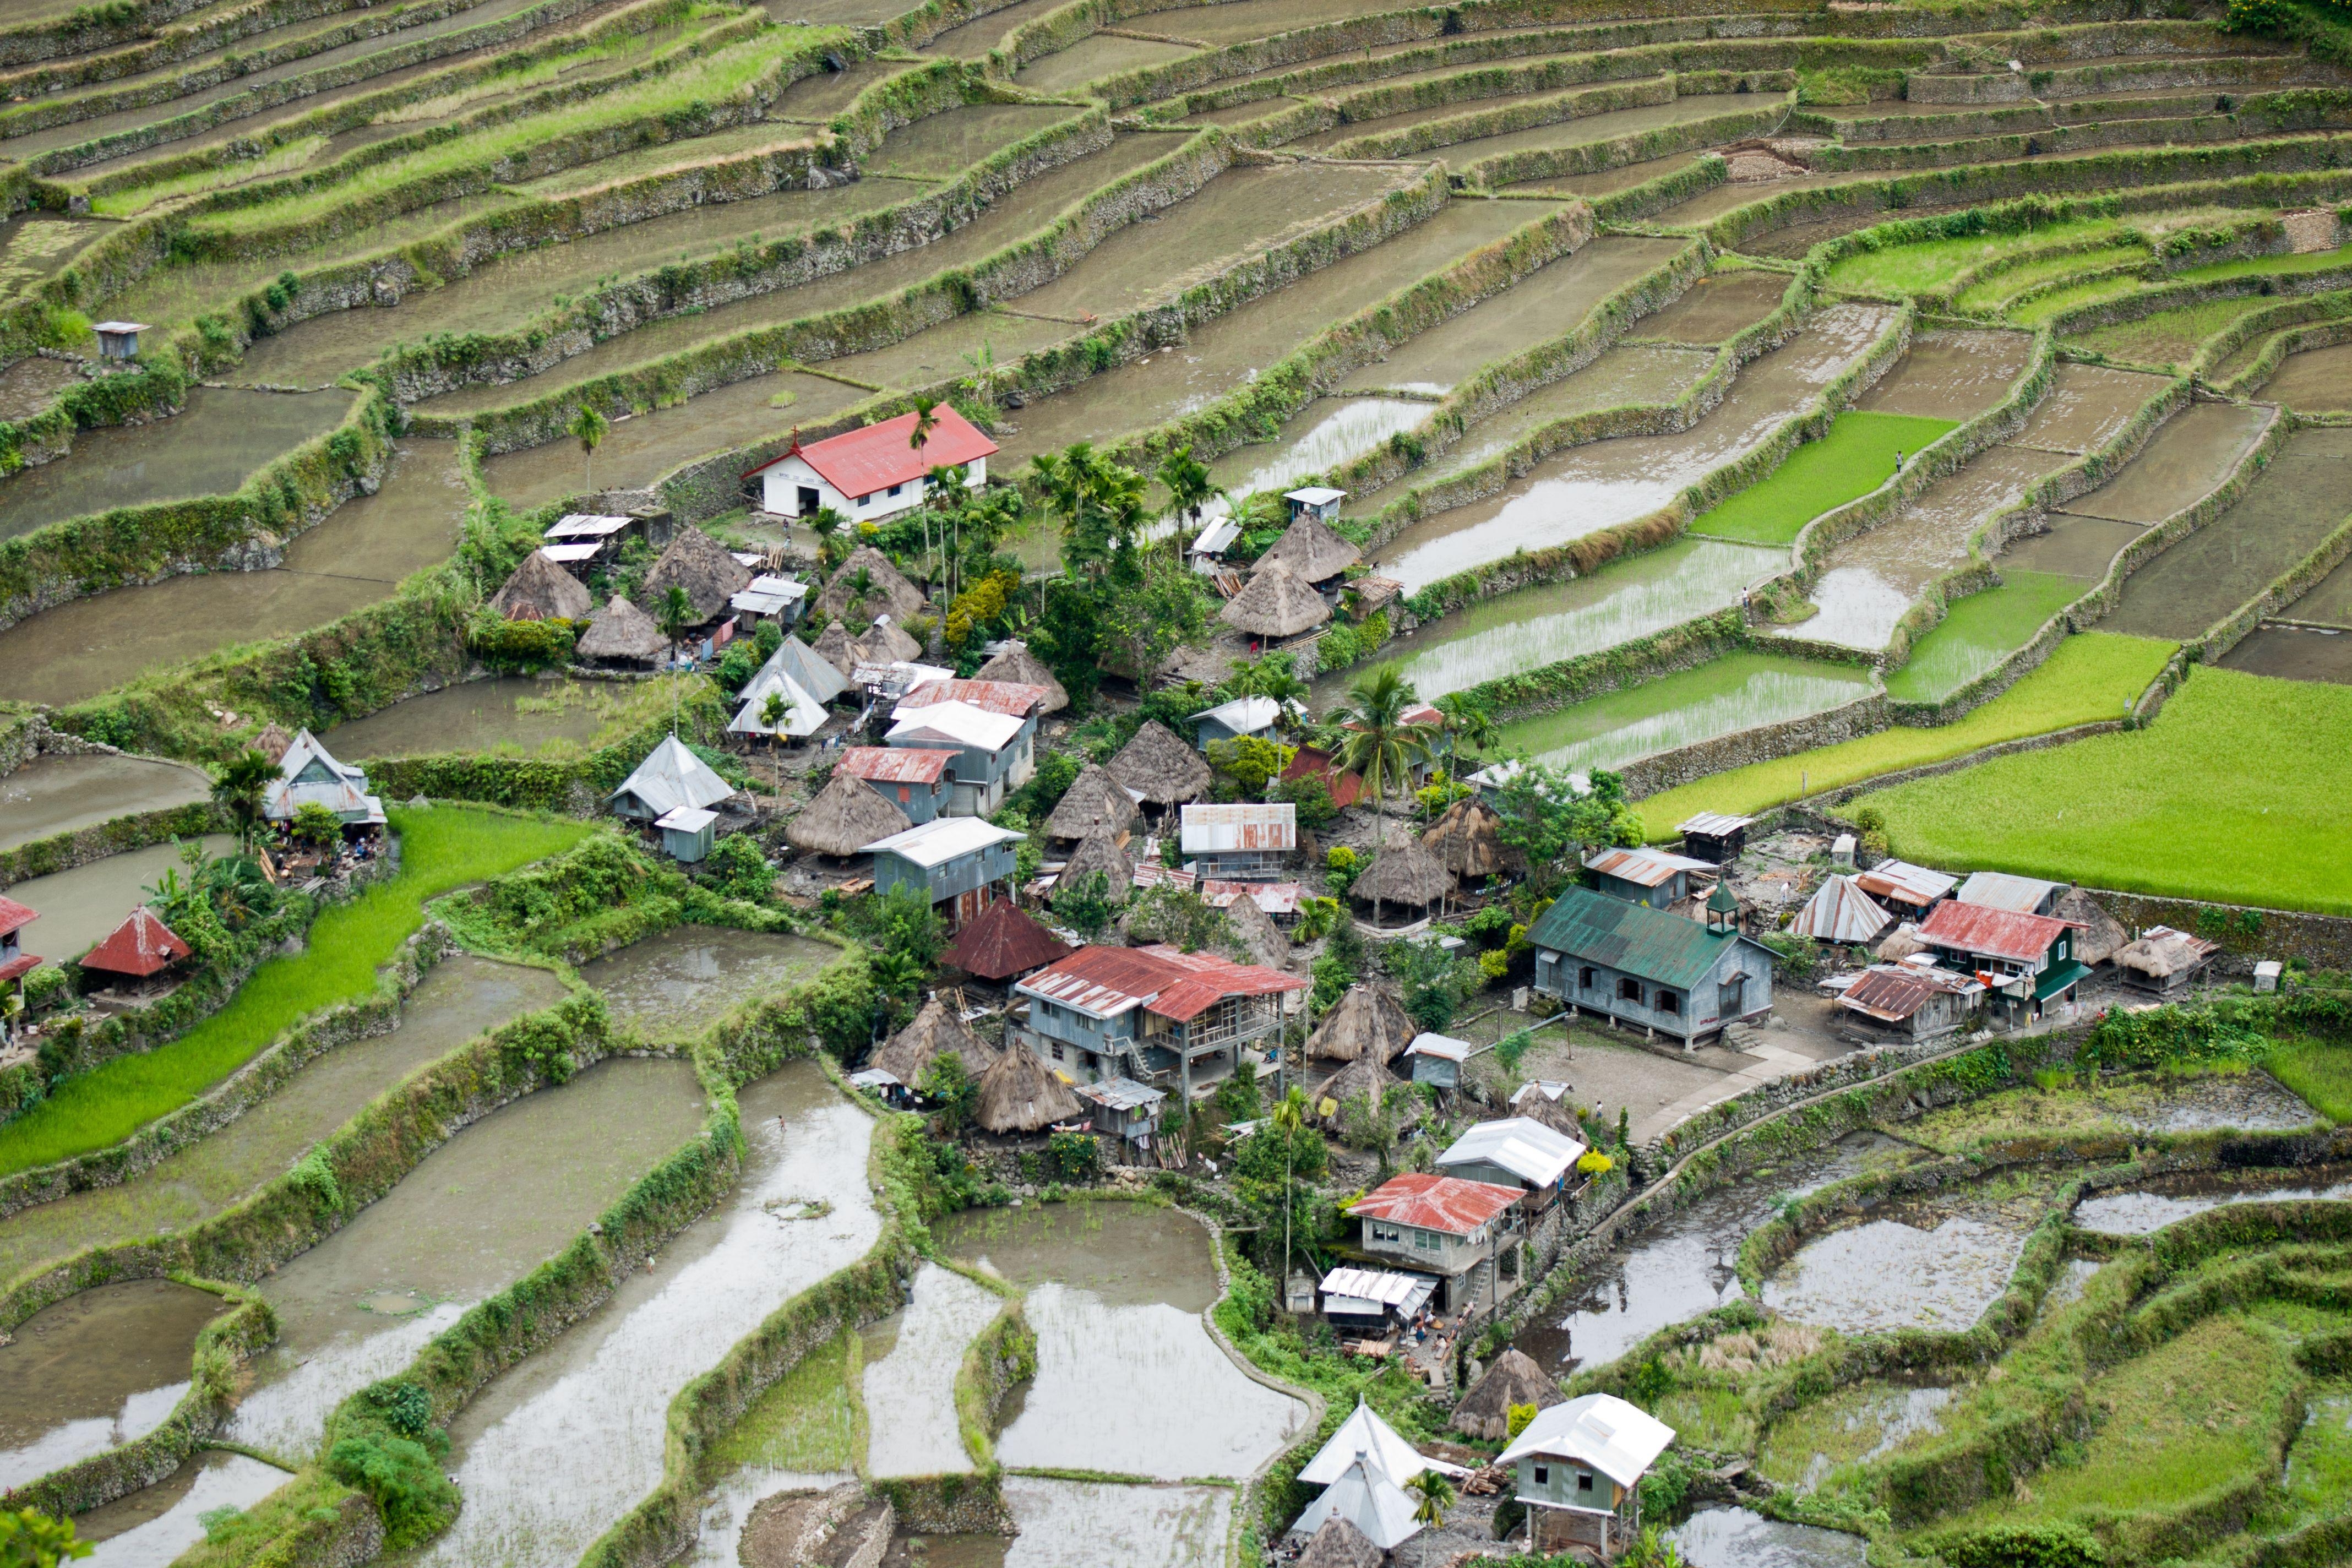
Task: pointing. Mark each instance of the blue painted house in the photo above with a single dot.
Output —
(1658, 971)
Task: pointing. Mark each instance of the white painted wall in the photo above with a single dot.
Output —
(780, 486)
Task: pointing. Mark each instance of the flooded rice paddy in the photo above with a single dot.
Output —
(506, 712)
(1951, 375)
(211, 447)
(1322, 436)
(481, 1211)
(151, 1528)
(80, 907)
(1714, 309)
(2329, 603)
(1733, 693)
(2144, 1210)
(1741, 1537)
(1626, 376)
(2317, 380)
(458, 999)
(99, 1369)
(558, 1448)
(1084, 1524)
(911, 1359)
(1886, 1274)
(2294, 653)
(1635, 127)
(2186, 460)
(671, 987)
(58, 794)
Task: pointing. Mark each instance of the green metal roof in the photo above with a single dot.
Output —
(1667, 950)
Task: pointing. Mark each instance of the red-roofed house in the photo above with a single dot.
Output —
(15, 963)
(1467, 1233)
(2027, 961)
(914, 779)
(139, 950)
(873, 473)
(1152, 1013)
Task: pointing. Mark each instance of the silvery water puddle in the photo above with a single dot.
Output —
(1684, 1265)
(56, 793)
(1884, 1274)
(670, 987)
(98, 1369)
(1116, 1292)
(481, 1211)
(1627, 375)
(1739, 1537)
(911, 1359)
(149, 1529)
(1896, 1416)
(555, 1452)
(2142, 1210)
(1085, 1524)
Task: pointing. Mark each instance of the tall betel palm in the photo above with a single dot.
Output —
(1288, 1118)
(1372, 739)
(1189, 491)
(237, 790)
(1433, 1495)
(589, 428)
(674, 615)
(1467, 723)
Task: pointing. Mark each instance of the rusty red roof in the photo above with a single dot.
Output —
(1014, 698)
(140, 945)
(1435, 1202)
(1344, 787)
(1895, 991)
(1997, 933)
(23, 963)
(1001, 941)
(896, 764)
(14, 916)
(860, 462)
(1108, 981)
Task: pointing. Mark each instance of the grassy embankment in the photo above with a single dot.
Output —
(1854, 458)
(1930, 264)
(443, 848)
(2094, 675)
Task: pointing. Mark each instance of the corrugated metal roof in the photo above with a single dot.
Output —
(1430, 1202)
(1909, 883)
(565, 554)
(1446, 1045)
(1995, 934)
(1666, 949)
(584, 525)
(1121, 1094)
(1645, 868)
(1840, 911)
(1252, 824)
(1713, 824)
(937, 843)
(1107, 981)
(2000, 891)
(959, 722)
(1596, 1430)
(860, 462)
(140, 945)
(686, 819)
(1537, 1154)
(15, 916)
(1892, 991)
(1243, 715)
(895, 764)
(1015, 698)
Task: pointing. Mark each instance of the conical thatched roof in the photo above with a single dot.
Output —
(1900, 944)
(2102, 936)
(1514, 1379)
(1340, 1544)
(1000, 943)
(539, 589)
(701, 565)
(833, 646)
(1158, 767)
(885, 642)
(887, 591)
(1469, 838)
(621, 633)
(273, 743)
(1367, 1021)
(1360, 1078)
(1100, 852)
(1092, 803)
(1276, 603)
(1019, 1094)
(908, 1054)
(1405, 873)
(1312, 548)
(847, 815)
(1260, 937)
(1016, 663)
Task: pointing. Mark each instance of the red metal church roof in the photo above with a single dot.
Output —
(860, 462)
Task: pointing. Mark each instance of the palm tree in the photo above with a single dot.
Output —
(1433, 1494)
(1289, 1118)
(826, 523)
(1467, 722)
(1374, 741)
(237, 790)
(771, 713)
(926, 419)
(589, 428)
(1189, 490)
(674, 615)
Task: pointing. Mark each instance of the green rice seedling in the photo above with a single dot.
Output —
(2168, 337)
(1854, 458)
(1930, 264)
(1997, 290)
(1979, 631)
(220, 176)
(2320, 1073)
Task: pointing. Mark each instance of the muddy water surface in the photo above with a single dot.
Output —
(151, 1528)
(505, 712)
(1626, 376)
(80, 907)
(1951, 375)
(57, 793)
(1322, 436)
(2186, 460)
(911, 1359)
(2144, 1210)
(973, 40)
(2317, 380)
(2078, 547)
(1085, 1524)
(670, 987)
(1597, 128)
(98, 1369)
(1714, 309)
(1885, 1274)
(939, 146)
(555, 1452)
(459, 998)
(2292, 653)
(2327, 604)
(1089, 59)
(1609, 182)
(1737, 693)
(1741, 1538)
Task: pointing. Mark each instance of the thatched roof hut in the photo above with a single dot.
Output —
(1514, 1379)
(1367, 1021)
(1900, 944)
(2102, 936)
(1340, 1544)
(2163, 959)
(1100, 852)
(908, 1054)
(1362, 1077)
(1310, 549)
(273, 743)
(847, 815)
(1276, 603)
(833, 646)
(621, 633)
(1405, 873)
(1261, 939)
(1159, 768)
(1092, 803)
(1019, 1094)
(1555, 1114)
(702, 566)
(1469, 839)
(1016, 663)
(885, 642)
(1001, 941)
(539, 589)
(887, 591)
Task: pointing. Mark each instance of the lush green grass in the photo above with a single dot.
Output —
(1906, 268)
(2265, 267)
(2235, 794)
(442, 848)
(1979, 631)
(1854, 458)
(2318, 1072)
(2168, 337)
(2090, 676)
(2002, 287)
(137, 199)
(810, 1421)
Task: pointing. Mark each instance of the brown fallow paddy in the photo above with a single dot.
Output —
(2317, 380)
(98, 1369)
(56, 793)
(505, 713)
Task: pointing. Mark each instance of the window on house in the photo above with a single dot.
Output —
(1584, 1480)
(1386, 1233)
(1543, 1474)
(896, 488)
(1584, 977)
(1669, 1003)
(1628, 989)
(1058, 1050)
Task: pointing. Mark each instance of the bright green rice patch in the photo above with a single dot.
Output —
(2234, 794)
(1928, 264)
(2318, 1072)
(2002, 287)
(1979, 631)
(2265, 266)
(2168, 337)
(1854, 458)
(810, 1421)
(2090, 676)
(2319, 1461)
(442, 848)
(2033, 312)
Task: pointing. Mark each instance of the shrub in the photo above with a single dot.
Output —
(521, 647)
(403, 1478)
(1074, 1155)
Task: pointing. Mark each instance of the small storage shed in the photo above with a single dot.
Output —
(1321, 502)
(1580, 1467)
(1125, 1111)
(120, 340)
(1437, 1060)
(1255, 716)
(1651, 877)
(1373, 1302)
(2164, 960)
(687, 832)
(1916, 1000)
(1905, 890)
(1713, 837)
(670, 776)
(1841, 912)
(141, 951)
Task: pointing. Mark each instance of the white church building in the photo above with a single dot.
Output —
(874, 473)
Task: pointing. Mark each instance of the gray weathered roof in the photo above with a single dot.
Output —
(672, 776)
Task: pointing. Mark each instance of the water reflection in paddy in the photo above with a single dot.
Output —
(911, 1359)
(1086, 1524)
(670, 987)
(1886, 1274)
(504, 712)
(1626, 375)
(1737, 692)
(1741, 1537)
(98, 1369)
(2144, 1210)
(151, 1528)
(57, 793)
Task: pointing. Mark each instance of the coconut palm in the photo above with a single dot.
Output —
(237, 790)
(926, 419)
(1374, 741)
(1433, 1495)
(589, 428)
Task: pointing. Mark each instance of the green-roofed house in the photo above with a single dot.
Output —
(1659, 972)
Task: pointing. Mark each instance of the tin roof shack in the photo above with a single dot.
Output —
(1841, 913)
(775, 596)
(1469, 1234)
(2000, 891)
(1001, 945)
(1125, 1113)
(912, 778)
(1651, 877)
(670, 776)
(14, 961)
(2163, 960)
(1905, 891)
(120, 340)
(1364, 1500)
(2026, 962)
(308, 774)
(1372, 1305)
(1249, 842)
(1155, 1015)
(874, 472)
(1661, 972)
(1713, 837)
(1910, 1001)
(1436, 1059)
(580, 542)
(990, 726)
(1515, 1152)
(686, 833)
(959, 862)
(1580, 1469)
(1253, 716)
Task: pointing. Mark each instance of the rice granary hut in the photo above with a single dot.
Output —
(885, 642)
(1261, 939)
(833, 646)
(1340, 1544)
(1366, 1021)
(1018, 665)
(1310, 550)
(1001, 943)
(1363, 1077)
(1468, 839)
(702, 566)
(1019, 1094)
(887, 590)
(845, 816)
(1514, 1379)
(908, 1054)
(539, 589)
(621, 633)
(1275, 605)
(2102, 935)
(1405, 873)
(1098, 852)
(1092, 803)
(1158, 769)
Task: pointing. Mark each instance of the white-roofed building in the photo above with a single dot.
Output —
(308, 774)
(769, 597)
(1207, 552)
(1580, 1468)
(1437, 1060)
(961, 863)
(687, 832)
(995, 752)
(1906, 890)
(1363, 1431)
(801, 714)
(1366, 1498)
(2000, 891)
(1372, 1302)
(1231, 721)
(670, 776)
(1514, 1151)
(1244, 841)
